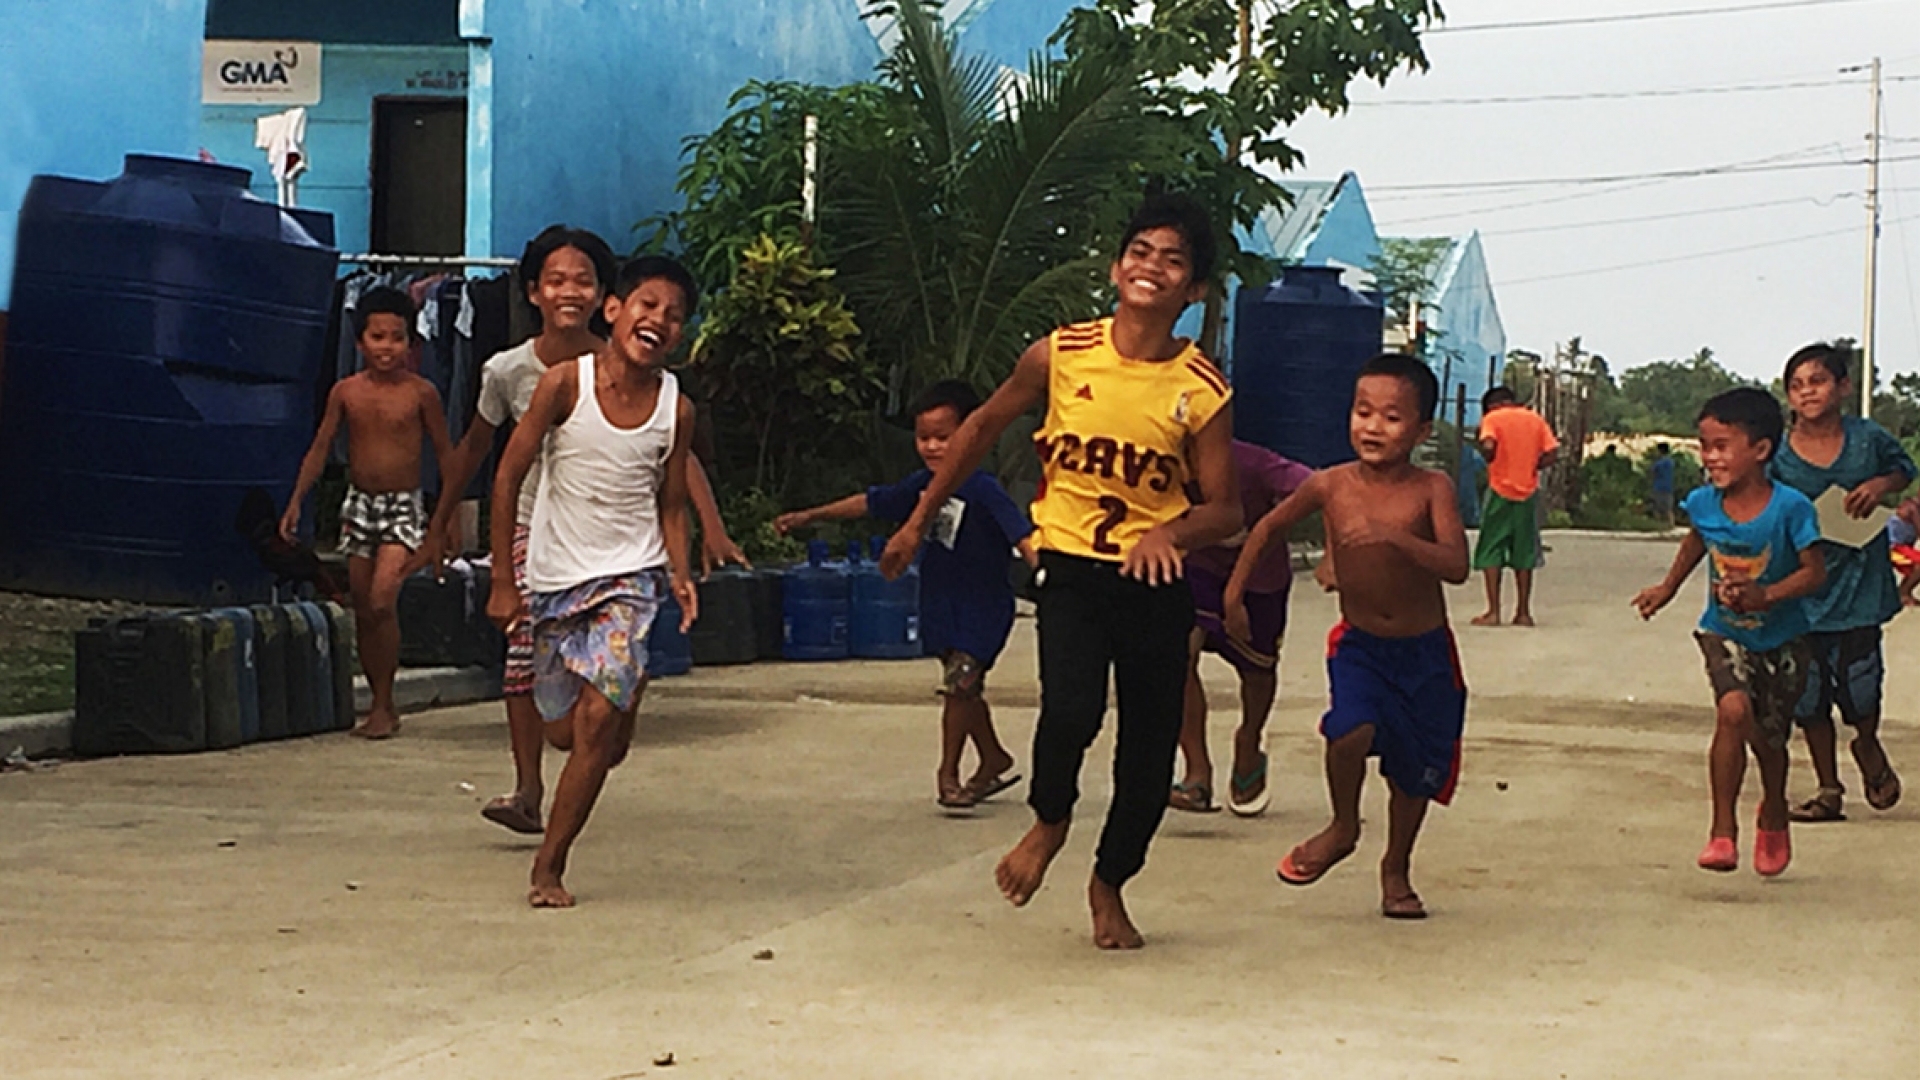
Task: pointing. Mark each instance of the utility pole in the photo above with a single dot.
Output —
(1873, 248)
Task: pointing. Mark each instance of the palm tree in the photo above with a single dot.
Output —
(976, 228)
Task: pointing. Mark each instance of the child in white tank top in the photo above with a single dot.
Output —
(608, 539)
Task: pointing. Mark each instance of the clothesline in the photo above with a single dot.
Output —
(428, 260)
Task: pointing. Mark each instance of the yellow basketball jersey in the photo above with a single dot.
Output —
(1113, 449)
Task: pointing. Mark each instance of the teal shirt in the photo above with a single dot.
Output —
(1860, 590)
(1765, 550)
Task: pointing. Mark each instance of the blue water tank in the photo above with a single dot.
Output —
(1297, 348)
(669, 649)
(162, 349)
(817, 601)
(885, 618)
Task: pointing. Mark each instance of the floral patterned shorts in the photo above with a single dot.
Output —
(594, 634)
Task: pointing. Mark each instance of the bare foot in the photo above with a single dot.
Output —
(1022, 870)
(547, 892)
(1111, 927)
(1524, 618)
(1397, 898)
(1490, 618)
(379, 724)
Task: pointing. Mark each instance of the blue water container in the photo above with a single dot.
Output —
(885, 619)
(817, 601)
(669, 652)
(271, 631)
(316, 656)
(162, 351)
(232, 677)
(1298, 346)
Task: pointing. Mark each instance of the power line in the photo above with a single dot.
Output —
(1643, 16)
(1566, 226)
(1610, 95)
(1686, 258)
(1669, 174)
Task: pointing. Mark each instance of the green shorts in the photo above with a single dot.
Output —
(1509, 534)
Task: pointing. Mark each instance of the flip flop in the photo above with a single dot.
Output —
(1289, 871)
(980, 791)
(1883, 791)
(1192, 799)
(1404, 907)
(959, 797)
(508, 811)
(1258, 804)
(1826, 806)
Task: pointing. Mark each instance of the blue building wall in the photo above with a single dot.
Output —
(85, 82)
(1468, 319)
(1009, 30)
(1346, 236)
(340, 127)
(585, 105)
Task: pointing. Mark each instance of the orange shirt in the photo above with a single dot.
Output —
(1519, 436)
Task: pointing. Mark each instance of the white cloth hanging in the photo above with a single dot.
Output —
(284, 137)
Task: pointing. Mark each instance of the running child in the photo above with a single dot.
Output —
(1131, 413)
(566, 271)
(387, 410)
(1763, 537)
(1394, 535)
(1266, 479)
(1518, 445)
(1825, 449)
(966, 600)
(608, 539)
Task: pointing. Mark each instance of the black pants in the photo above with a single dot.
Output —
(1093, 621)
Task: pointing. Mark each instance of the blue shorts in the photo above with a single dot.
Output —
(1413, 693)
(1847, 673)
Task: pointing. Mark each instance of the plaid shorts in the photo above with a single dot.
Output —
(1774, 681)
(961, 675)
(518, 679)
(369, 521)
(594, 634)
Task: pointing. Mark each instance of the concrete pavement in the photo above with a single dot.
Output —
(328, 908)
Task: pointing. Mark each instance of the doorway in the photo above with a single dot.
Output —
(419, 176)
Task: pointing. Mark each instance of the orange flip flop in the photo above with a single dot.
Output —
(1289, 871)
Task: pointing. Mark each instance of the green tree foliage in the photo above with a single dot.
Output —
(1218, 125)
(985, 220)
(1664, 397)
(1405, 270)
(778, 359)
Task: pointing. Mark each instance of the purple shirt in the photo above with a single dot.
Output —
(1266, 479)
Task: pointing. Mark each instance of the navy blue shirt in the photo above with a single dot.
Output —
(1660, 474)
(966, 600)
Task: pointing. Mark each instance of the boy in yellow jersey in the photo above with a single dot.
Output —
(1133, 414)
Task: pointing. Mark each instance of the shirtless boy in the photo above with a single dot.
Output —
(607, 541)
(1394, 535)
(1132, 412)
(386, 409)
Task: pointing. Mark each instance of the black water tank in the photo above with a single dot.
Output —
(164, 340)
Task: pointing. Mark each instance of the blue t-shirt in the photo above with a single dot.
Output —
(966, 599)
(1660, 473)
(1765, 550)
(1860, 589)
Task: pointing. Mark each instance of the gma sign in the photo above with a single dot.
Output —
(260, 73)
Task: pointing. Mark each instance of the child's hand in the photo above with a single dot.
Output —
(1743, 597)
(719, 550)
(1910, 511)
(901, 548)
(1323, 573)
(1239, 627)
(688, 595)
(290, 524)
(1862, 500)
(791, 520)
(1154, 559)
(505, 606)
(1649, 601)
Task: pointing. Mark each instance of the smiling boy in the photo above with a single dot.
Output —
(1131, 413)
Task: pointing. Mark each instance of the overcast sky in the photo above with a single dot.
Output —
(1554, 279)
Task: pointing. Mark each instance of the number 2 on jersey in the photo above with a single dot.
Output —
(1116, 509)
